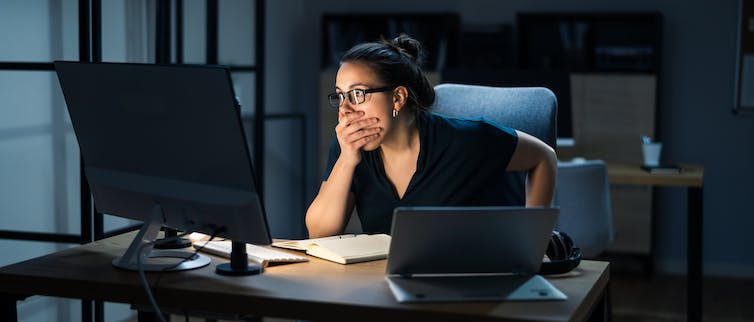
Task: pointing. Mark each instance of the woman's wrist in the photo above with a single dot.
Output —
(349, 161)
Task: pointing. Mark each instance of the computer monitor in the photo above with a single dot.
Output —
(558, 82)
(164, 144)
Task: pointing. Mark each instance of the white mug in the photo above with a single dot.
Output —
(651, 153)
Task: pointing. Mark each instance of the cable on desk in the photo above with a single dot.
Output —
(196, 251)
(144, 282)
(143, 276)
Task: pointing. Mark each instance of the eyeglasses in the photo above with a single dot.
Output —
(355, 96)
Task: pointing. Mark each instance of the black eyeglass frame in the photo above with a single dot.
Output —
(341, 97)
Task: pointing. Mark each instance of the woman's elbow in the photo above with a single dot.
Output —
(550, 158)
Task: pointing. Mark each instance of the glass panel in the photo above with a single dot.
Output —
(116, 21)
(34, 192)
(120, 312)
(283, 169)
(112, 222)
(244, 85)
(236, 32)
(39, 31)
(42, 308)
(26, 191)
(26, 101)
(195, 32)
(128, 31)
(15, 251)
(236, 36)
(73, 179)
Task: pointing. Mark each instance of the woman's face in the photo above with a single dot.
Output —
(379, 105)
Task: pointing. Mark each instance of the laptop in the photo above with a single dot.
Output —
(440, 254)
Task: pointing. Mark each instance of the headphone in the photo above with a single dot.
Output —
(563, 254)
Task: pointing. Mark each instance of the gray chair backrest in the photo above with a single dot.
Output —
(532, 110)
(583, 194)
(528, 109)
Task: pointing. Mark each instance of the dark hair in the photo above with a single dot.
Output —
(397, 62)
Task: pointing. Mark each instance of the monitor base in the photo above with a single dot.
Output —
(227, 270)
(166, 261)
(172, 241)
(140, 255)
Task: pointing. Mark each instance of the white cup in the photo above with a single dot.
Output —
(651, 153)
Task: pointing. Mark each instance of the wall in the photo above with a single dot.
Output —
(699, 127)
(695, 108)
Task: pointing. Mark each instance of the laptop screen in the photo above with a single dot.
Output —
(469, 240)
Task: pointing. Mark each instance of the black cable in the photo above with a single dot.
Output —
(143, 276)
(144, 282)
(193, 255)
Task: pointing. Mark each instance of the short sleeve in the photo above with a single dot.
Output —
(504, 138)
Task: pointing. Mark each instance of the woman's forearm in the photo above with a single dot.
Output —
(329, 212)
(540, 181)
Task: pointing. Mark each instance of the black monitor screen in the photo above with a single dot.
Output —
(167, 136)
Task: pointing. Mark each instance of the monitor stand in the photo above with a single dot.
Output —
(156, 260)
(239, 262)
(171, 240)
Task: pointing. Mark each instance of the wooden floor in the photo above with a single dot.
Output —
(662, 298)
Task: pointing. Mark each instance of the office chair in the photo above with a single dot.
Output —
(583, 194)
(529, 109)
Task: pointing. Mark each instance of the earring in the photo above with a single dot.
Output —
(395, 113)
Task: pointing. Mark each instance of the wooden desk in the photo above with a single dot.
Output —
(693, 179)
(314, 290)
(631, 174)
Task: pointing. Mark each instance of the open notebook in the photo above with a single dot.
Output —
(343, 249)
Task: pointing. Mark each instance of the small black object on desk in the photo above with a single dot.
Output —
(663, 169)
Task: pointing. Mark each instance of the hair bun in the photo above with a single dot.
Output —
(409, 46)
(397, 62)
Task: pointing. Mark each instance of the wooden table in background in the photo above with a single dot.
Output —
(692, 178)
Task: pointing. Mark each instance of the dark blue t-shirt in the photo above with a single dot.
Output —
(461, 162)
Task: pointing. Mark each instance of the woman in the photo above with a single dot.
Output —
(391, 151)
